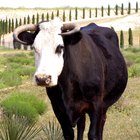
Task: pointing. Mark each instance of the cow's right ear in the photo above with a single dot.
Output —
(27, 37)
(25, 34)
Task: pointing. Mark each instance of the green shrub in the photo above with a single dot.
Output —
(134, 70)
(53, 131)
(22, 58)
(24, 104)
(9, 79)
(17, 128)
(15, 69)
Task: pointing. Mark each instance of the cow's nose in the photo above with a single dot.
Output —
(43, 79)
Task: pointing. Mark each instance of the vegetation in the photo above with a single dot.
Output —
(130, 37)
(133, 61)
(16, 69)
(18, 128)
(52, 131)
(121, 39)
(23, 104)
(123, 117)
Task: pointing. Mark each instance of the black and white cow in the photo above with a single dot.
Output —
(83, 71)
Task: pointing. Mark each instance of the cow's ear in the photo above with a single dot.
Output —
(72, 39)
(27, 37)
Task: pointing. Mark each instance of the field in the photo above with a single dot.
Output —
(123, 121)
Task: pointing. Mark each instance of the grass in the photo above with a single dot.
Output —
(16, 68)
(123, 121)
(133, 61)
(23, 104)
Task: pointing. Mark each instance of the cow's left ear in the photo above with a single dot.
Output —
(72, 39)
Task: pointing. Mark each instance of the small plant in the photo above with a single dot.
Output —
(53, 131)
(17, 128)
(23, 104)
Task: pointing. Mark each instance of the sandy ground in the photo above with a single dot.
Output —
(117, 22)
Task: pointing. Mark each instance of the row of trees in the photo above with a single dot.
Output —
(8, 25)
(130, 39)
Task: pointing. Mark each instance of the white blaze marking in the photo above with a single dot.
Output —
(47, 61)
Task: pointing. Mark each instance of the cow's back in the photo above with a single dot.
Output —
(115, 67)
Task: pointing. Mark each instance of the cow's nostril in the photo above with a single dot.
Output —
(42, 79)
(48, 80)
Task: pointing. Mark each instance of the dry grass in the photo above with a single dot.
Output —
(123, 121)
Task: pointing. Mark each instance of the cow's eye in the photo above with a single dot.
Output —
(59, 49)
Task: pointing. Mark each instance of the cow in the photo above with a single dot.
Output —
(82, 70)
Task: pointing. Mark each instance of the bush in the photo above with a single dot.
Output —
(53, 131)
(17, 128)
(15, 69)
(24, 104)
(8, 79)
(133, 61)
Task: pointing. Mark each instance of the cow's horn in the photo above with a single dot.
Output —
(69, 28)
(20, 29)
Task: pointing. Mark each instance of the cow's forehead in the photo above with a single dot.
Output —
(53, 25)
(48, 35)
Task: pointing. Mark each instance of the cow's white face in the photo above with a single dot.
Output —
(48, 46)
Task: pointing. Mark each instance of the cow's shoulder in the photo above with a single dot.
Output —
(105, 38)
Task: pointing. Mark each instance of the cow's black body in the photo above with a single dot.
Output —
(94, 77)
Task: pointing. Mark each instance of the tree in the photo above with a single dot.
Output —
(6, 26)
(20, 22)
(90, 13)
(121, 39)
(16, 23)
(13, 25)
(122, 9)
(42, 17)
(52, 16)
(70, 16)
(37, 18)
(47, 16)
(96, 12)
(28, 19)
(129, 8)
(9, 24)
(33, 19)
(57, 14)
(137, 7)
(83, 13)
(24, 21)
(108, 10)
(116, 7)
(64, 16)
(130, 38)
(76, 14)
(102, 11)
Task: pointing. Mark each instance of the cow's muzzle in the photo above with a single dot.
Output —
(43, 79)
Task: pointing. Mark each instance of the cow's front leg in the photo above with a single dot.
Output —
(55, 97)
